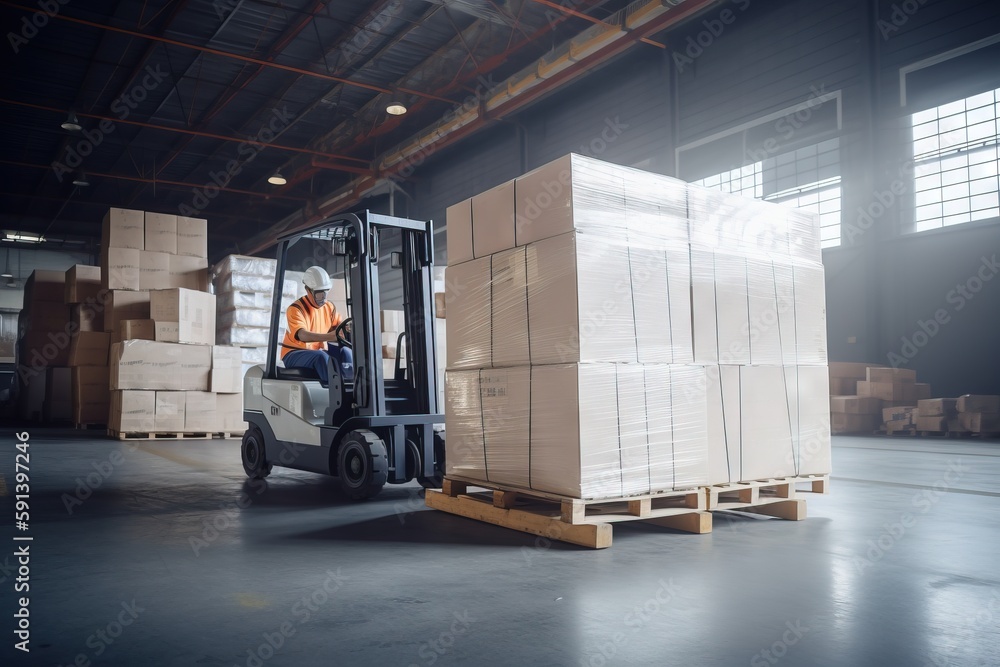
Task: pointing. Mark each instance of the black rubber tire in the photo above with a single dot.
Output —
(253, 454)
(362, 464)
(437, 480)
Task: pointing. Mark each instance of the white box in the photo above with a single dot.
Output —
(810, 314)
(765, 423)
(579, 301)
(509, 298)
(493, 220)
(766, 344)
(574, 430)
(633, 429)
(464, 444)
(679, 291)
(732, 309)
(469, 315)
(651, 300)
(458, 227)
(813, 421)
(704, 324)
(571, 193)
(505, 396)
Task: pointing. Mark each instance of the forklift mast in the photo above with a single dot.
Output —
(357, 238)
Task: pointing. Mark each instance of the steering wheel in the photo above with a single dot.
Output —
(341, 338)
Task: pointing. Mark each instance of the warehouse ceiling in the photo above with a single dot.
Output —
(190, 106)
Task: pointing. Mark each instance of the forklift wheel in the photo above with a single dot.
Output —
(362, 464)
(437, 480)
(254, 463)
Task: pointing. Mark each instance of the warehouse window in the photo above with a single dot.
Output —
(807, 178)
(955, 162)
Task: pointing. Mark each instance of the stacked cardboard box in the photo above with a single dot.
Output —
(245, 286)
(978, 414)
(855, 414)
(937, 415)
(845, 375)
(43, 348)
(613, 332)
(86, 299)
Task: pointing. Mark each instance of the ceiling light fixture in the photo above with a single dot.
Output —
(24, 237)
(81, 180)
(395, 107)
(277, 179)
(72, 123)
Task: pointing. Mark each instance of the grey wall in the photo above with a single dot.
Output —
(773, 55)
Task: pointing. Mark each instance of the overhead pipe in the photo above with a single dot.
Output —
(592, 47)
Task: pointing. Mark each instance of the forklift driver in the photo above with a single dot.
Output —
(312, 323)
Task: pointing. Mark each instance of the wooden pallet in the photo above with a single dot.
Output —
(900, 431)
(174, 435)
(773, 497)
(583, 522)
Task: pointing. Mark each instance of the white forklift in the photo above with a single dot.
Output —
(366, 429)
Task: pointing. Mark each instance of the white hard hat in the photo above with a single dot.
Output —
(317, 279)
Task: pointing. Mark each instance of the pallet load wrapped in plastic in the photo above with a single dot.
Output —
(613, 332)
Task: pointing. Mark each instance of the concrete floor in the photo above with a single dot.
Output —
(159, 566)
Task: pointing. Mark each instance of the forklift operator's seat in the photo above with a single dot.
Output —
(296, 373)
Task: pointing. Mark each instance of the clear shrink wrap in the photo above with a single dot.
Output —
(250, 266)
(243, 301)
(260, 319)
(242, 337)
(586, 430)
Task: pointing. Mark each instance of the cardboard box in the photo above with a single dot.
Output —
(227, 370)
(574, 431)
(58, 394)
(458, 228)
(120, 268)
(938, 423)
(136, 330)
(82, 282)
(978, 403)
(170, 411)
(676, 426)
(123, 228)
(904, 415)
(505, 397)
(854, 423)
(844, 386)
(937, 407)
(91, 396)
(132, 411)
(192, 237)
(44, 286)
(200, 412)
(509, 308)
(571, 193)
(469, 322)
(392, 321)
(86, 317)
(850, 369)
(579, 302)
(125, 305)
(888, 391)
(230, 408)
(193, 312)
(891, 375)
(465, 444)
(188, 272)
(921, 390)
(154, 270)
(53, 318)
(856, 405)
(161, 233)
(89, 348)
(977, 422)
(897, 425)
(439, 307)
(493, 220)
(144, 364)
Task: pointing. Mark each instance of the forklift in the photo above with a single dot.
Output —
(365, 429)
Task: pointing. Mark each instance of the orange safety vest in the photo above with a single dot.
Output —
(303, 315)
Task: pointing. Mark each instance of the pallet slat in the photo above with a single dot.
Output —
(773, 497)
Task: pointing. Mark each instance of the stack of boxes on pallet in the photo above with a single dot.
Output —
(613, 332)
(88, 355)
(978, 414)
(165, 372)
(866, 397)
(245, 287)
(43, 350)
